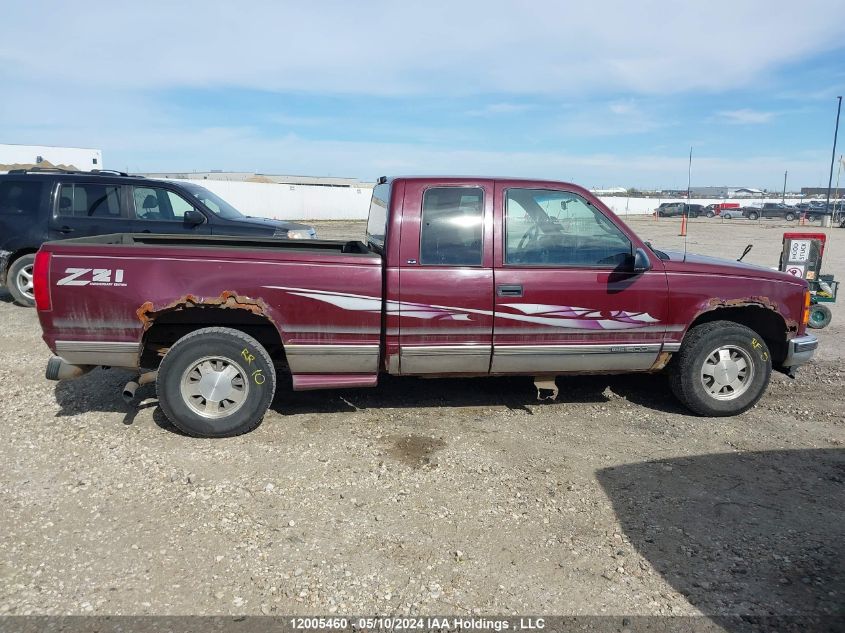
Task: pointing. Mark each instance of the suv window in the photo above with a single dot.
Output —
(89, 200)
(558, 228)
(19, 198)
(153, 203)
(452, 223)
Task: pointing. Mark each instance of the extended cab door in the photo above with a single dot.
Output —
(566, 297)
(160, 210)
(445, 307)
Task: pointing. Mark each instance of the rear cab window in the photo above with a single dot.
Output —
(377, 221)
(21, 198)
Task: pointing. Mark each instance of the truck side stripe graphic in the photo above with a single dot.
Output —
(540, 314)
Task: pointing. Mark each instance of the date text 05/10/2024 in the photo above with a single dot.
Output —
(418, 623)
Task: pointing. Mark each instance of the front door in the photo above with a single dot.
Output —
(445, 311)
(565, 299)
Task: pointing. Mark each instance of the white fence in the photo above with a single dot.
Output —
(293, 202)
(306, 202)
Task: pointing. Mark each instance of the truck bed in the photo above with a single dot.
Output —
(110, 293)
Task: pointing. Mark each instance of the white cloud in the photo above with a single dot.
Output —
(495, 109)
(745, 116)
(385, 47)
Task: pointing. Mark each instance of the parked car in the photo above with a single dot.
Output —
(771, 210)
(458, 276)
(717, 208)
(676, 209)
(41, 205)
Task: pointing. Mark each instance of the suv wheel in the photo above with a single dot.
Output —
(811, 218)
(753, 215)
(19, 280)
(216, 382)
(790, 217)
(711, 214)
(723, 369)
(727, 215)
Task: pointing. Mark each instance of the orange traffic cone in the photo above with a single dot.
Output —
(684, 225)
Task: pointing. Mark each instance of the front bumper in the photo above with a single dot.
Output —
(800, 351)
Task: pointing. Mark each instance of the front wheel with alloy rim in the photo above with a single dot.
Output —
(19, 280)
(722, 369)
(216, 382)
(753, 216)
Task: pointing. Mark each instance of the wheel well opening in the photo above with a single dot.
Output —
(168, 328)
(768, 324)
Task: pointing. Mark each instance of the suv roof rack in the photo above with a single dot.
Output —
(75, 172)
(36, 170)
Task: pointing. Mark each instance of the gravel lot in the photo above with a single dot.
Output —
(452, 496)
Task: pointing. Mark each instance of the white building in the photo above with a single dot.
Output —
(21, 156)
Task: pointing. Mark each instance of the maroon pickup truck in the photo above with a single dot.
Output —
(458, 277)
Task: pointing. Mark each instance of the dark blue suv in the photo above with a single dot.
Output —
(38, 206)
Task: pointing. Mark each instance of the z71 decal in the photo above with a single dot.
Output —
(92, 277)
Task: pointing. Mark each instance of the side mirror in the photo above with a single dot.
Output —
(194, 217)
(641, 261)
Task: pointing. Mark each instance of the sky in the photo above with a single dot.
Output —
(604, 94)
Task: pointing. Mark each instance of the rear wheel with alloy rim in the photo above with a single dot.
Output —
(216, 382)
(19, 280)
(722, 369)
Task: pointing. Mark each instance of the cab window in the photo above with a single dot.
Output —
(559, 228)
(452, 226)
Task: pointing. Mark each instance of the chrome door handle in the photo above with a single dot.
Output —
(509, 290)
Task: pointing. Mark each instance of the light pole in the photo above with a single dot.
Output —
(783, 199)
(832, 158)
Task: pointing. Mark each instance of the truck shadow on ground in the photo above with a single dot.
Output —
(759, 533)
(100, 390)
(512, 392)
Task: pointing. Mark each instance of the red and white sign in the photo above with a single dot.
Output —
(795, 270)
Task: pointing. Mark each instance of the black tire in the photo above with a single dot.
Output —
(727, 215)
(216, 349)
(711, 214)
(790, 217)
(700, 344)
(753, 215)
(19, 271)
(811, 218)
(820, 316)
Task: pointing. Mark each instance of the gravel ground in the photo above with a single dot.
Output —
(420, 496)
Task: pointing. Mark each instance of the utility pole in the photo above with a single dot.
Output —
(832, 158)
(784, 186)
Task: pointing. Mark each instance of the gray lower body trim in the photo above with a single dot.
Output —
(332, 359)
(536, 359)
(445, 359)
(111, 353)
(671, 347)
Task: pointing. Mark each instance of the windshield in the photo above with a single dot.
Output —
(215, 203)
